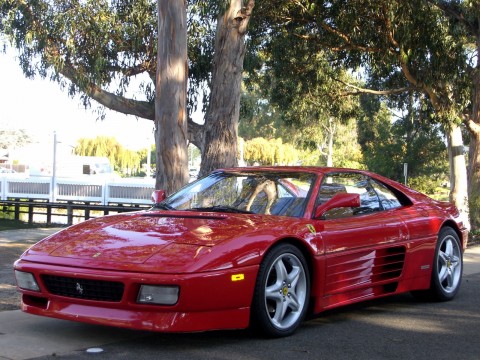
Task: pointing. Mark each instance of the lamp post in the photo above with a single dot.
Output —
(53, 186)
(149, 162)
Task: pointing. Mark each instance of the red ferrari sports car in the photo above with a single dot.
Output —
(261, 247)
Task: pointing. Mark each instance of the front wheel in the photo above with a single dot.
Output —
(447, 268)
(282, 292)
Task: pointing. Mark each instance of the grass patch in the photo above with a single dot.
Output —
(441, 194)
(15, 225)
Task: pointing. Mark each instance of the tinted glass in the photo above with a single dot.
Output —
(351, 183)
(387, 198)
(259, 192)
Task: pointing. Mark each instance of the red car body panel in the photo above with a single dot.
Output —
(214, 259)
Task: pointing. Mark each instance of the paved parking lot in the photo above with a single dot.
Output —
(391, 328)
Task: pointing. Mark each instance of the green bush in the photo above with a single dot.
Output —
(425, 184)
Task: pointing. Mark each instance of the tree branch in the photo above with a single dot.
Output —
(360, 90)
(143, 109)
(472, 126)
(349, 44)
(345, 47)
(243, 16)
(134, 70)
(196, 134)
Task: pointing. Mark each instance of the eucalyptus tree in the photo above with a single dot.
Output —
(401, 46)
(464, 26)
(107, 50)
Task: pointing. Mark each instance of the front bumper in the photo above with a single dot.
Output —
(207, 301)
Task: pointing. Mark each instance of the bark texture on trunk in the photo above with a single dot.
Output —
(458, 172)
(221, 119)
(170, 100)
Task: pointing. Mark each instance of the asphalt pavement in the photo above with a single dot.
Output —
(25, 336)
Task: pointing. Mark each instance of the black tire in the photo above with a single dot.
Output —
(447, 268)
(282, 292)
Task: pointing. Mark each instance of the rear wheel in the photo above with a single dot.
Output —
(447, 268)
(282, 291)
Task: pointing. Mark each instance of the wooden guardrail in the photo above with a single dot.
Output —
(73, 211)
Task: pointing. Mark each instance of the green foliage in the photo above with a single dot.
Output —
(307, 90)
(95, 39)
(143, 159)
(347, 151)
(259, 118)
(474, 203)
(8, 223)
(299, 93)
(412, 139)
(124, 160)
(269, 152)
(425, 184)
(383, 41)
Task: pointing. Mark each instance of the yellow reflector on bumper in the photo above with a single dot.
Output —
(238, 277)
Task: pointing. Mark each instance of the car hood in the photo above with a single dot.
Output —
(148, 238)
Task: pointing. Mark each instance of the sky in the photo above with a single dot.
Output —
(41, 107)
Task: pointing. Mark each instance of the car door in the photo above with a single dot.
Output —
(363, 249)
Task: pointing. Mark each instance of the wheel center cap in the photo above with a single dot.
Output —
(285, 291)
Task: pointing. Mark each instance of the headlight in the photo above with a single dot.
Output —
(26, 280)
(160, 295)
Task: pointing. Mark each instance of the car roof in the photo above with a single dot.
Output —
(413, 195)
(310, 169)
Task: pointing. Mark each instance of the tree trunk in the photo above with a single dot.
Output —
(458, 172)
(330, 150)
(170, 96)
(331, 135)
(221, 119)
(474, 154)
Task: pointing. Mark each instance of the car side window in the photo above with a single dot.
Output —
(352, 183)
(387, 198)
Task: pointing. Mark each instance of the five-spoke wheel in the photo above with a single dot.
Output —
(282, 291)
(448, 269)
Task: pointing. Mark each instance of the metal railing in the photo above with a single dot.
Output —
(87, 189)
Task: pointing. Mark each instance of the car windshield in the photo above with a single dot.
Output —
(255, 192)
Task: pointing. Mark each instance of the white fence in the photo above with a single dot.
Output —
(90, 189)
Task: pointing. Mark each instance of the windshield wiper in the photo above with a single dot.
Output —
(163, 206)
(222, 208)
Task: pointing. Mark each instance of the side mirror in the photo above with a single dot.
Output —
(339, 200)
(158, 196)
